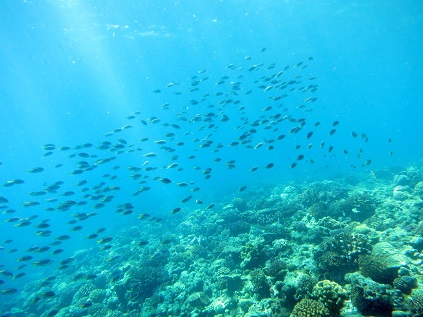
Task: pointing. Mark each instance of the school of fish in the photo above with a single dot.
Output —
(202, 112)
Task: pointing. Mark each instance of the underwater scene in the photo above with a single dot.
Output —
(211, 158)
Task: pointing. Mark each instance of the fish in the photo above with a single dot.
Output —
(52, 313)
(43, 262)
(186, 199)
(165, 180)
(175, 210)
(241, 189)
(104, 240)
(6, 273)
(13, 182)
(36, 170)
(270, 165)
(67, 261)
(8, 291)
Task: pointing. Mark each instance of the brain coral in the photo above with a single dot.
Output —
(309, 308)
(382, 264)
(331, 294)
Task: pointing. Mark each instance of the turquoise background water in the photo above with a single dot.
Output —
(72, 71)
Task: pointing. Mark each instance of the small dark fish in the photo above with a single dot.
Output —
(270, 165)
(63, 237)
(57, 251)
(300, 157)
(43, 262)
(330, 149)
(92, 236)
(354, 135)
(165, 180)
(88, 303)
(6, 273)
(8, 291)
(24, 258)
(309, 135)
(253, 169)
(13, 182)
(36, 170)
(31, 203)
(48, 294)
(52, 313)
(186, 199)
(22, 274)
(332, 132)
(242, 189)
(104, 240)
(293, 165)
(175, 210)
(317, 124)
(67, 261)
(335, 123)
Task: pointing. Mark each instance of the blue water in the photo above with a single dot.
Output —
(71, 71)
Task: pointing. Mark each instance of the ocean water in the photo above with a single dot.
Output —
(214, 89)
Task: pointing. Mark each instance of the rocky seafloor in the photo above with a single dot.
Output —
(352, 246)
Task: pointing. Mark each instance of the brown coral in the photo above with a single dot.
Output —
(309, 308)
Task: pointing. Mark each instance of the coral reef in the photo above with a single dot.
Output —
(308, 308)
(325, 249)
